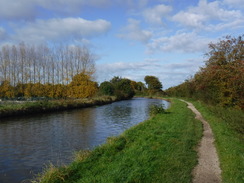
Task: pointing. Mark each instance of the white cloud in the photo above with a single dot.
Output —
(235, 3)
(190, 19)
(203, 15)
(156, 14)
(132, 70)
(71, 6)
(3, 34)
(236, 24)
(60, 29)
(133, 32)
(133, 4)
(28, 9)
(180, 42)
(12, 9)
(168, 74)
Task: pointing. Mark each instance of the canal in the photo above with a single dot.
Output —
(28, 144)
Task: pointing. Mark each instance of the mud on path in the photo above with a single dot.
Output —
(207, 170)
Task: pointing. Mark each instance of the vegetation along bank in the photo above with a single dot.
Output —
(16, 108)
(217, 91)
(160, 149)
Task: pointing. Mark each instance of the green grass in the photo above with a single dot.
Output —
(10, 109)
(227, 126)
(159, 150)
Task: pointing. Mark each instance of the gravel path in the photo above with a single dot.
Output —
(207, 170)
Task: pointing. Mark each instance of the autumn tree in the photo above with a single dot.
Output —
(221, 81)
(6, 90)
(38, 70)
(82, 86)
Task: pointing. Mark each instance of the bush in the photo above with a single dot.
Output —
(156, 109)
(106, 88)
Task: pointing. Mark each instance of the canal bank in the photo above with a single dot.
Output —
(156, 150)
(17, 108)
(30, 143)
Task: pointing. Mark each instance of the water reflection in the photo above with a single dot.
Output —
(27, 143)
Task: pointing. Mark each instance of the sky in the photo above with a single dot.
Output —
(130, 38)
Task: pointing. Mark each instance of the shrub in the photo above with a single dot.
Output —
(156, 109)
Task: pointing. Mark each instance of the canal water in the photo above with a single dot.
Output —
(29, 144)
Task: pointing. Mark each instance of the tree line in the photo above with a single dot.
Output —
(37, 71)
(221, 80)
(124, 88)
(63, 71)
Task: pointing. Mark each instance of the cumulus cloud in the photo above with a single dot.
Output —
(28, 9)
(71, 6)
(168, 74)
(133, 32)
(235, 24)
(156, 14)
(132, 70)
(12, 9)
(204, 14)
(235, 3)
(133, 4)
(180, 42)
(3, 34)
(60, 29)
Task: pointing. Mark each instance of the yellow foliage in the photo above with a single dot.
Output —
(82, 86)
(6, 90)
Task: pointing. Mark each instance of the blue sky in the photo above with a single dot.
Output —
(131, 38)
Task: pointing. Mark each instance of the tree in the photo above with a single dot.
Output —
(37, 70)
(6, 90)
(153, 84)
(106, 88)
(82, 86)
(221, 81)
(140, 86)
(122, 87)
(228, 50)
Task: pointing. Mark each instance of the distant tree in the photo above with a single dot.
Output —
(37, 70)
(82, 86)
(106, 88)
(6, 90)
(60, 91)
(140, 86)
(115, 80)
(153, 83)
(122, 87)
(28, 90)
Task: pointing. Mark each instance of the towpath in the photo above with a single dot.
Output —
(208, 169)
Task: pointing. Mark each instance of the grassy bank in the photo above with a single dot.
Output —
(160, 149)
(15, 108)
(227, 126)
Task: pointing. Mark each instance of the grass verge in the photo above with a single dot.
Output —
(227, 126)
(160, 149)
(13, 109)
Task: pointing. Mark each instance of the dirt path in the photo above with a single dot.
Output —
(207, 170)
